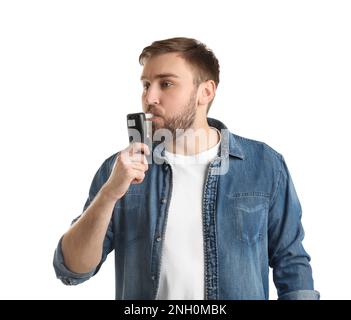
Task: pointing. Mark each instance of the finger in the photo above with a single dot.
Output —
(138, 147)
(139, 177)
(136, 158)
(139, 166)
(140, 158)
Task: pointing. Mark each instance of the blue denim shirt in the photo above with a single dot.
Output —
(251, 220)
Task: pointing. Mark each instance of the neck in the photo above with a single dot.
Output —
(200, 137)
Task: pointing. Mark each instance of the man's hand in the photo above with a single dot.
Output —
(129, 167)
(82, 244)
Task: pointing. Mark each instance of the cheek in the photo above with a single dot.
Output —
(176, 103)
(175, 98)
(143, 102)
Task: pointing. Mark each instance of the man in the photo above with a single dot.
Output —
(207, 217)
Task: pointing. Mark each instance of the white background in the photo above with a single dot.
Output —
(69, 74)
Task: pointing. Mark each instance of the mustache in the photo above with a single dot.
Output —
(153, 109)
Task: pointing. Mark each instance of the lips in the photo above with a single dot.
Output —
(154, 112)
(153, 116)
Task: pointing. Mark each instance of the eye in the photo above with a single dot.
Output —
(146, 85)
(166, 84)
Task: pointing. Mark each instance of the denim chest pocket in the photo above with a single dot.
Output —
(128, 226)
(248, 213)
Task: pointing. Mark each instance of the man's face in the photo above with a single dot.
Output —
(169, 92)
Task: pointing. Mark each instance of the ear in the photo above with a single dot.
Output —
(206, 92)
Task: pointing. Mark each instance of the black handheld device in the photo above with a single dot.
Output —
(137, 127)
(140, 129)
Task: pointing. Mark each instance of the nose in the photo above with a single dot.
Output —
(152, 96)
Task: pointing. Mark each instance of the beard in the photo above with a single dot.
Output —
(180, 122)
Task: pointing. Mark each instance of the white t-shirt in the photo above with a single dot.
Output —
(182, 262)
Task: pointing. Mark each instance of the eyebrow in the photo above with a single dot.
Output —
(161, 76)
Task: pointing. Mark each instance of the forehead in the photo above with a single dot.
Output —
(168, 63)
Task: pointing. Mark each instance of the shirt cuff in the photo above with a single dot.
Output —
(301, 295)
(63, 273)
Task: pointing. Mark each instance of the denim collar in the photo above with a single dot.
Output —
(234, 149)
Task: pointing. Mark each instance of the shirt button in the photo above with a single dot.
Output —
(158, 239)
(163, 200)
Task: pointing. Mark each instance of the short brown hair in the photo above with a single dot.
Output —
(193, 51)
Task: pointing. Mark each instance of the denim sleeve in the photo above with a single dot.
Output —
(292, 273)
(62, 272)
